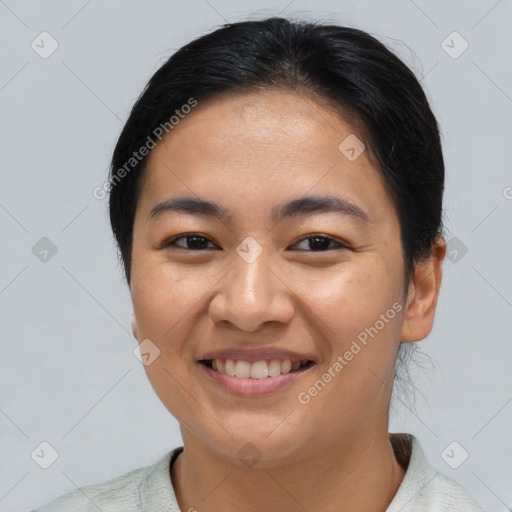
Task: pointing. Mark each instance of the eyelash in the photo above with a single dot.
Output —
(172, 242)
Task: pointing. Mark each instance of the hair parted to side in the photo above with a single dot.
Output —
(343, 68)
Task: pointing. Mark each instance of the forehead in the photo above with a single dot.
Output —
(266, 145)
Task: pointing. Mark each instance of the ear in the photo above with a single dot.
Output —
(134, 327)
(423, 294)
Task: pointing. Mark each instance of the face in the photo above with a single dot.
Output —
(265, 281)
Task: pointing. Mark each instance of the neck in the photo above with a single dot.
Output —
(360, 473)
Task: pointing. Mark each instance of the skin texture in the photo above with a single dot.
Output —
(250, 152)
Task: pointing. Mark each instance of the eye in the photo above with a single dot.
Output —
(197, 242)
(319, 243)
(193, 241)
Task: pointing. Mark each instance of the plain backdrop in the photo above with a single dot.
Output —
(68, 375)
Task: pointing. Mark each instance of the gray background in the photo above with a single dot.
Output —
(67, 369)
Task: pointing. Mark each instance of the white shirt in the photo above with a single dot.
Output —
(149, 489)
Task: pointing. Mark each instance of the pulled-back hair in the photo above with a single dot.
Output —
(346, 68)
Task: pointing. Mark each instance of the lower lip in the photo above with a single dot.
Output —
(253, 387)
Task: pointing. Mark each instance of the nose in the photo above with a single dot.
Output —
(252, 294)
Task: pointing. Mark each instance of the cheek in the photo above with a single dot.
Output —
(354, 308)
(350, 298)
(169, 302)
(161, 301)
(160, 298)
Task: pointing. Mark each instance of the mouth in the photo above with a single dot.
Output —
(258, 370)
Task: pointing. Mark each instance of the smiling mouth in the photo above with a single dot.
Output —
(267, 368)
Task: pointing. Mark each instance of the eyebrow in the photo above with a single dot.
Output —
(302, 206)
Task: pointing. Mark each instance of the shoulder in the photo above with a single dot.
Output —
(124, 492)
(109, 495)
(424, 487)
(444, 493)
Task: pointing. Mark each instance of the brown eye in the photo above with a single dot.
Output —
(193, 242)
(321, 243)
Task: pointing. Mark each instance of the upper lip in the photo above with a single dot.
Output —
(252, 355)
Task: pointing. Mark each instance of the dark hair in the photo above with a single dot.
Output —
(345, 68)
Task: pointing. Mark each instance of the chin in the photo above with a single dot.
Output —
(260, 447)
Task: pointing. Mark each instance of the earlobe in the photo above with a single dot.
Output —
(423, 295)
(134, 327)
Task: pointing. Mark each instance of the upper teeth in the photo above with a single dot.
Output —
(257, 370)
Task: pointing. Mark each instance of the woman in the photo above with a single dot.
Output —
(276, 195)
